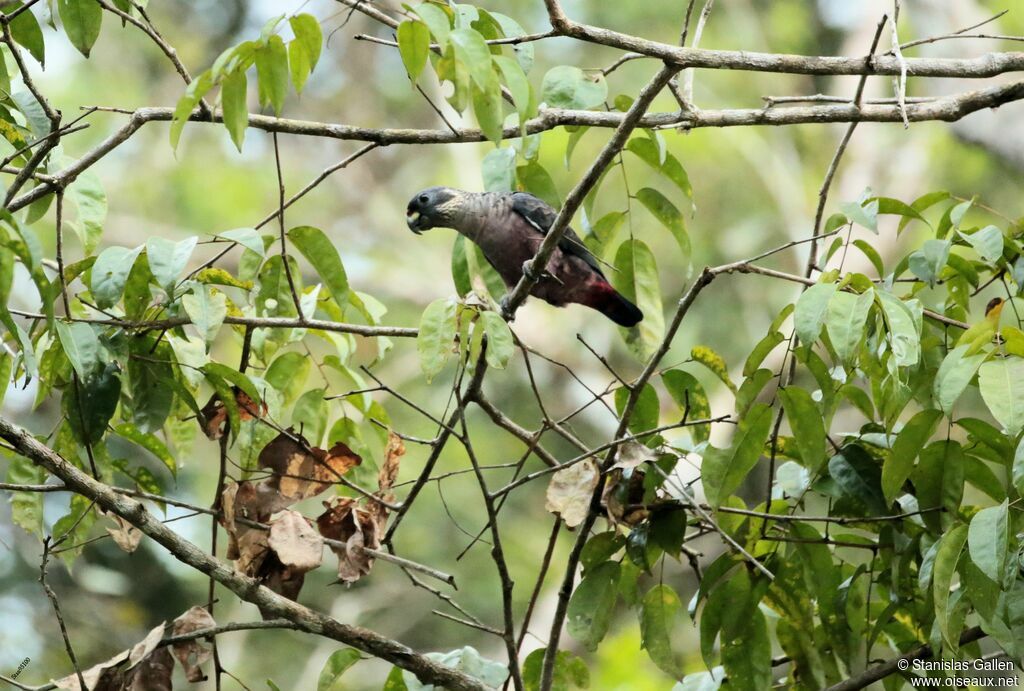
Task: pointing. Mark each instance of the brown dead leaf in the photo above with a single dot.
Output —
(623, 492)
(296, 544)
(345, 521)
(301, 471)
(125, 534)
(632, 454)
(570, 491)
(389, 468)
(213, 415)
(141, 668)
(192, 654)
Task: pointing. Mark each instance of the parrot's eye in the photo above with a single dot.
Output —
(424, 199)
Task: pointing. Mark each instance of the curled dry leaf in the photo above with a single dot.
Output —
(301, 471)
(297, 545)
(141, 668)
(357, 527)
(623, 490)
(125, 534)
(192, 654)
(214, 414)
(570, 492)
(389, 468)
(632, 454)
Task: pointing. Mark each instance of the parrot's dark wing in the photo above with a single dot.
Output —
(541, 216)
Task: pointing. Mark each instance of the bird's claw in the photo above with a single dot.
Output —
(529, 272)
(506, 309)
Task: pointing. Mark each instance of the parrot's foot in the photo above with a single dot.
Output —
(506, 309)
(529, 272)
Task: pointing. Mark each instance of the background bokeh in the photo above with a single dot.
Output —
(754, 188)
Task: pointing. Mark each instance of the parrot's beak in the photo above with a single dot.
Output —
(412, 219)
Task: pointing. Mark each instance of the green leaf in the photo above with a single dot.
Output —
(167, 259)
(646, 411)
(89, 404)
(900, 462)
(272, 73)
(946, 558)
(567, 86)
(988, 540)
(436, 335)
(233, 91)
(865, 214)
(308, 33)
(714, 362)
(807, 424)
(939, 481)
(488, 110)
(82, 20)
(473, 55)
(569, 671)
(689, 395)
(536, 179)
(954, 374)
(26, 32)
(81, 346)
(904, 323)
(150, 443)
(110, 273)
(336, 665)
(658, 613)
(723, 470)
(500, 345)
(872, 254)
(895, 207)
(309, 415)
(1002, 387)
(763, 348)
(183, 110)
(26, 507)
(304, 49)
(811, 309)
(669, 216)
(320, 252)
(518, 87)
(414, 46)
(927, 262)
(592, 604)
(499, 170)
(923, 202)
(206, 307)
(248, 238)
(150, 377)
(987, 242)
(1018, 468)
(988, 435)
(846, 318)
(747, 655)
(437, 19)
(637, 279)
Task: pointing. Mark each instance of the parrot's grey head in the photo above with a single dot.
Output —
(431, 208)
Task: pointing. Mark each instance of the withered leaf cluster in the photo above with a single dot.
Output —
(148, 666)
(214, 415)
(281, 556)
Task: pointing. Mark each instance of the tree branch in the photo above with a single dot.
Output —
(248, 589)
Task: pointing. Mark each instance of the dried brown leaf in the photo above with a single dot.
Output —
(632, 454)
(389, 468)
(125, 534)
(357, 528)
(139, 669)
(213, 415)
(570, 492)
(192, 654)
(301, 471)
(297, 544)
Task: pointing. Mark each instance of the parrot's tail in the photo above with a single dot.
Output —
(611, 304)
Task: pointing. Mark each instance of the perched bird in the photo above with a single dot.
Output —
(509, 227)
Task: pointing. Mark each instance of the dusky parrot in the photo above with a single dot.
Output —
(509, 227)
